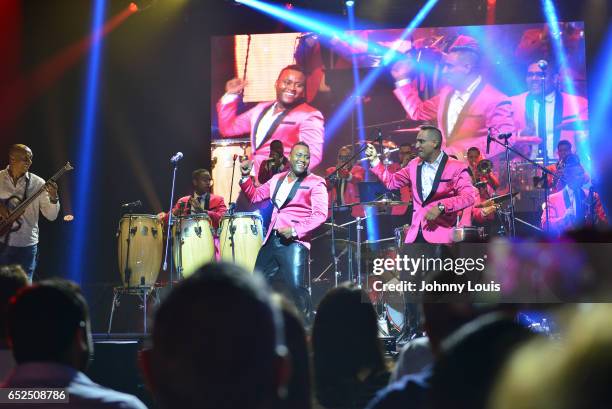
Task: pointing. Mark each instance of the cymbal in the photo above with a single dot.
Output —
(385, 203)
(341, 244)
(502, 198)
(335, 226)
(405, 130)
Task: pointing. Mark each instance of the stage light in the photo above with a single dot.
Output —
(391, 55)
(289, 6)
(133, 7)
(568, 84)
(84, 172)
(68, 218)
(349, 3)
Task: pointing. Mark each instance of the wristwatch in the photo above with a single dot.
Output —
(441, 207)
(293, 232)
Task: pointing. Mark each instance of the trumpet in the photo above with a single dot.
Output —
(484, 166)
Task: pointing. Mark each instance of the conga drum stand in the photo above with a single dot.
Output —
(143, 293)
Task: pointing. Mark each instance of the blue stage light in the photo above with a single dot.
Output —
(84, 168)
(550, 12)
(349, 3)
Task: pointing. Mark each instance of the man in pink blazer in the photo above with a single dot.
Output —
(300, 206)
(572, 207)
(565, 113)
(288, 119)
(441, 188)
(465, 108)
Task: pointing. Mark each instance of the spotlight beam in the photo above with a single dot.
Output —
(342, 112)
(86, 148)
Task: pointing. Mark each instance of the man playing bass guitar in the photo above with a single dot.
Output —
(20, 244)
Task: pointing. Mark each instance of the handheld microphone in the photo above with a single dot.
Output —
(178, 156)
(488, 140)
(543, 64)
(137, 203)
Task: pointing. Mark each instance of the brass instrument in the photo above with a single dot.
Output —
(484, 166)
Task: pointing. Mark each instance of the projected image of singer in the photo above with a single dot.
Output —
(300, 206)
(465, 108)
(441, 187)
(288, 119)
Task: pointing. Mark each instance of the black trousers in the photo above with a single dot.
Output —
(283, 262)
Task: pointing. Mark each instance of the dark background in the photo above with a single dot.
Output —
(154, 100)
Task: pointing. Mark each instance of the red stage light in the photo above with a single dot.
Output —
(133, 7)
(289, 6)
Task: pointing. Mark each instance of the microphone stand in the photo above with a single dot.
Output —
(544, 141)
(232, 208)
(544, 169)
(170, 221)
(333, 208)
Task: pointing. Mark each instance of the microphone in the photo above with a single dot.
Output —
(178, 156)
(543, 64)
(235, 157)
(488, 140)
(385, 152)
(504, 136)
(380, 137)
(137, 203)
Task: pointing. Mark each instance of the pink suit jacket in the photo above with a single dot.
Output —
(305, 208)
(302, 123)
(452, 187)
(486, 108)
(574, 108)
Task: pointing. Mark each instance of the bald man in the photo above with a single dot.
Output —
(20, 245)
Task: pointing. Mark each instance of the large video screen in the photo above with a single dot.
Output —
(381, 85)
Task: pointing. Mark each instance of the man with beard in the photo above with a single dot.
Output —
(17, 183)
(300, 206)
(465, 108)
(565, 114)
(288, 119)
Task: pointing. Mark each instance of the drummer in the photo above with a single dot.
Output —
(200, 201)
(342, 184)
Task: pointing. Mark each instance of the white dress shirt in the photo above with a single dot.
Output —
(83, 392)
(264, 125)
(549, 100)
(283, 191)
(428, 174)
(457, 101)
(27, 235)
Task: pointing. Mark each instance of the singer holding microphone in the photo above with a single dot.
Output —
(441, 187)
(300, 206)
(466, 106)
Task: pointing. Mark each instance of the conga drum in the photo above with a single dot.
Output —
(246, 241)
(222, 157)
(193, 244)
(140, 235)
